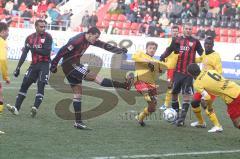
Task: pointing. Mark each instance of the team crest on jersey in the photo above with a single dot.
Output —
(191, 44)
(42, 40)
(70, 47)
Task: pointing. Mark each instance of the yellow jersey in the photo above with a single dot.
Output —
(142, 71)
(210, 62)
(171, 60)
(214, 83)
(3, 59)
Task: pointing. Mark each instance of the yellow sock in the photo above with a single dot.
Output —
(212, 116)
(1, 108)
(143, 114)
(168, 97)
(198, 114)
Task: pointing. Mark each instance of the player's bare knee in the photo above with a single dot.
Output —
(91, 76)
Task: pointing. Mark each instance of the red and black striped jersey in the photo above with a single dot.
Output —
(75, 48)
(40, 46)
(186, 47)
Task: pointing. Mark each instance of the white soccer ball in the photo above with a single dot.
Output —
(170, 115)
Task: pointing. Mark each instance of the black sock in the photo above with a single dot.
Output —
(20, 98)
(185, 107)
(77, 108)
(175, 105)
(111, 83)
(38, 100)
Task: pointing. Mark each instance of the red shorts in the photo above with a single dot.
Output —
(197, 96)
(145, 87)
(234, 108)
(170, 73)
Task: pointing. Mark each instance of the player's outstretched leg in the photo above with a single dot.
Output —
(106, 82)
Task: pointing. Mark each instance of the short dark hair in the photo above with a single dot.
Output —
(40, 21)
(151, 43)
(175, 27)
(3, 26)
(193, 69)
(94, 30)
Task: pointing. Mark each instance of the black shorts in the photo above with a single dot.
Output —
(39, 71)
(182, 83)
(78, 73)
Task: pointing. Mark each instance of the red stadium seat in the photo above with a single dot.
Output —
(125, 32)
(217, 38)
(105, 24)
(2, 16)
(238, 33)
(217, 31)
(126, 25)
(134, 26)
(107, 17)
(223, 39)
(162, 35)
(122, 18)
(21, 25)
(119, 25)
(13, 24)
(114, 17)
(194, 29)
(232, 32)
(232, 39)
(223, 31)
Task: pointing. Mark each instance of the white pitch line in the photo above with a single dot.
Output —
(169, 154)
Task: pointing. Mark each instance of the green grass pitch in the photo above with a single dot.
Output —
(115, 134)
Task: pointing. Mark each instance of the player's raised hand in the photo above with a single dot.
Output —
(16, 72)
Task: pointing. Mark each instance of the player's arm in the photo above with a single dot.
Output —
(110, 47)
(23, 57)
(218, 64)
(199, 48)
(4, 68)
(174, 47)
(66, 49)
(46, 47)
